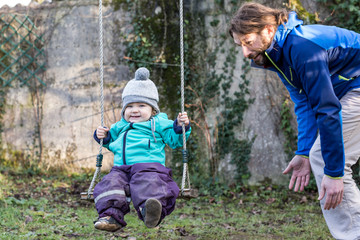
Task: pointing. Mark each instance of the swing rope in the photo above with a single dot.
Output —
(99, 156)
(185, 177)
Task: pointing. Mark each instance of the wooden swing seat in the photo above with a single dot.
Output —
(185, 194)
(189, 193)
(84, 196)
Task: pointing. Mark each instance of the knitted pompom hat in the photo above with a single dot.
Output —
(140, 89)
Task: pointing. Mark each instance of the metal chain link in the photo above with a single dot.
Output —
(98, 165)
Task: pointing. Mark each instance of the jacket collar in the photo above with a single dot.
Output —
(279, 39)
(283, 31)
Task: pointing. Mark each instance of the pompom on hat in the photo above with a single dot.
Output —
(140, 89)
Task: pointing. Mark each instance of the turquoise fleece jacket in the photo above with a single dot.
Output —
(143, 142)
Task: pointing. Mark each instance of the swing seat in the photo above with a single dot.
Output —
(189, 193)
(85, 196)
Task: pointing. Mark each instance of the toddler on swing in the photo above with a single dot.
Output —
(138, 141)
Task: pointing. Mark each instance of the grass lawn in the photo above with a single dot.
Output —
(49, 207)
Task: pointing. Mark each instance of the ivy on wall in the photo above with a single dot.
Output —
(344, 13)
(154, 43)
(154, 39)
(290, 144)
(234, 112)
(2, 110)
(22, 64)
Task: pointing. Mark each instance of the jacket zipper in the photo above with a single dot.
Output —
(280, 70)
(124, 143)
(344, 78)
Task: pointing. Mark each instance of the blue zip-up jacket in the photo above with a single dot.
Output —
(143, 142)
(318, 65)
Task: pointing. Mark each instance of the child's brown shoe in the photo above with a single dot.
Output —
(107, 224)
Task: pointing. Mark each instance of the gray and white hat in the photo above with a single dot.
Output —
(140, 89)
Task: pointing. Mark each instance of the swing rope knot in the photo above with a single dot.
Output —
(99, 159)
(184, 153)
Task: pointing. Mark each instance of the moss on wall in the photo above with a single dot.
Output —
(308, 17)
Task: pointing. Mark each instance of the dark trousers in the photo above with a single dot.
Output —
(140, 181)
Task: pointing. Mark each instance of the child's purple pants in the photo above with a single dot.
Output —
(140, 181)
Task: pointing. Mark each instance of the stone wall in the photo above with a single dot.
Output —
(70, 102)
(261, 121)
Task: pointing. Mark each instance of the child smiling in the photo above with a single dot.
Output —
(138, 141)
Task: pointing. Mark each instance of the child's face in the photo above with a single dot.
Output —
(137, 112)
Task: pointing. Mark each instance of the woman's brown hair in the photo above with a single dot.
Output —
(253, 17)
